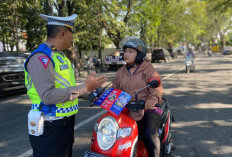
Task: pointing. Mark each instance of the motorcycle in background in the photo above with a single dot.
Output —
(209, 52)
(189, 64)
(116, 134)
(88, 65)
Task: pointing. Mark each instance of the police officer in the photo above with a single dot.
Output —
(51, 86)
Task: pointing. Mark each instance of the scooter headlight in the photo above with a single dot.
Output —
(107, 133)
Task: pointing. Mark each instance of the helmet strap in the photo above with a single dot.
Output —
(130, 66)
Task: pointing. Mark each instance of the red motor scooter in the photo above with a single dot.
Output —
(117, 135)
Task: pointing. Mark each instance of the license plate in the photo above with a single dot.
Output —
(92, 154)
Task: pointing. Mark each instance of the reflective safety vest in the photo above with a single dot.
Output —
(64, 78)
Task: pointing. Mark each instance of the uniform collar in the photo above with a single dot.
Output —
(52, 47)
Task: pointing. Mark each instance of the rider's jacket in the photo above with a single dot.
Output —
(191, 54)
(131, 82)
(64, 77)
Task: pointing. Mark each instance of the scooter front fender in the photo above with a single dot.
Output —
(126, 146)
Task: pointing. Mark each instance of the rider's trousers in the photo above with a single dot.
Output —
(149, 132)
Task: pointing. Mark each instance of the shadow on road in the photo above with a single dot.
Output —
(201, 105)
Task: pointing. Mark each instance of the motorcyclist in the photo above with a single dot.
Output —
(191, 54)
(133, 76)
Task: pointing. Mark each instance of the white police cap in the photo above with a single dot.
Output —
(60, 21)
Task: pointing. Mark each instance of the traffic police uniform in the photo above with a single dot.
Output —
(51, 86)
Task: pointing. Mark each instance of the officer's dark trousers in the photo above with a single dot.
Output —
(148, 129)
(57, 139)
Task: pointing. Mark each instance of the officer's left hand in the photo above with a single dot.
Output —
(150, 104)
(93, 82)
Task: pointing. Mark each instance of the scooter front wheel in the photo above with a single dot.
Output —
(187, 69)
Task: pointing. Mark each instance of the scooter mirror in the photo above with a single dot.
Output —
(154, 82)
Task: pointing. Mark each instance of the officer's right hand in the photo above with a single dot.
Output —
(94, 82)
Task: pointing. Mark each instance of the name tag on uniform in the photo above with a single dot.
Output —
(64, 66)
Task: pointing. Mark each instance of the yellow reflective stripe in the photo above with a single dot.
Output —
(61, 78)
(29, 85)
(28, 82)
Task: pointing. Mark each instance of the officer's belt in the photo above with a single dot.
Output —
(49, 112)
(48, 109)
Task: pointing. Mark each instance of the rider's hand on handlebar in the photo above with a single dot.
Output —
(94, 82)
(150, 104)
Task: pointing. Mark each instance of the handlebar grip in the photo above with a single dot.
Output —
(136, 105)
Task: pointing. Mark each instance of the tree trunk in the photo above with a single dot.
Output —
(158, 36)
(7, 44)
(70, 5)
(11, 48)
(116, 35)
(60, 7)
(16, 36)
(15, 28)
(208, 48)
(100, 51)
(3, 43)
(222, 42)
(79, 64)
(129, 8)
(77, 57)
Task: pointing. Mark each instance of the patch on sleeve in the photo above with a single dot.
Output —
(44, 60)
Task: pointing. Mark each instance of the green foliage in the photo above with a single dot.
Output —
(34, 26)
(101, 22)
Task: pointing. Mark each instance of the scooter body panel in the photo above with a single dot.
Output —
(167, 126)
(122, 147)
(130, 146)
(142, 152)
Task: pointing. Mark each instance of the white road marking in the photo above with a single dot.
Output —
(173, 73)
(77, 126)
(26, 154)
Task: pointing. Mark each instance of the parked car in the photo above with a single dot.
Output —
(172, 53)
(160, 54)
(11, 71)
(227, 50)
(115, 61)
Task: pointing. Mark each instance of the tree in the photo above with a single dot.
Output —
(144, 20)
(10, 23)
(34, 26)
(220, 18)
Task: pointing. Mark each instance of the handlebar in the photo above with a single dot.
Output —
(135, 106)
(138, 105)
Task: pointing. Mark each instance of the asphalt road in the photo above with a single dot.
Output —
(201, 103)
